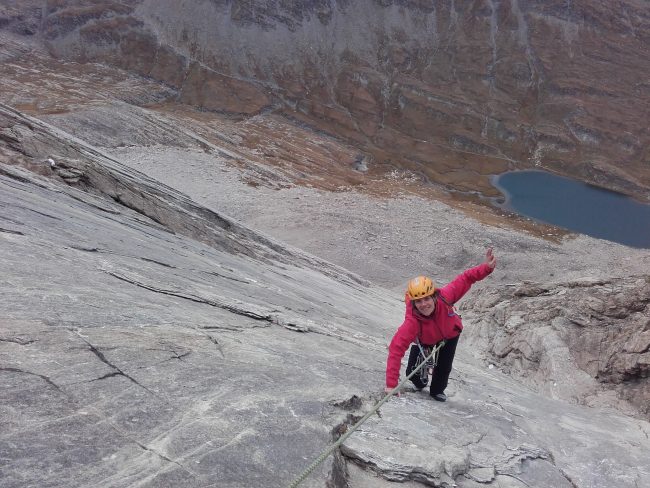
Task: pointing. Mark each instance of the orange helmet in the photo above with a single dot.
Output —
(420, 287)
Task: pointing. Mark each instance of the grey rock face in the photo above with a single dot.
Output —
(571, 339)
(493, 432)
(132, 354)
(148, 341)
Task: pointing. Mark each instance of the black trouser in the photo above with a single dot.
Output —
(441, 372)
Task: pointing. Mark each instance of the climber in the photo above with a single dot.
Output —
(431, 318)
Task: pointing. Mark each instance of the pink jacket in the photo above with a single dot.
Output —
(444, 323)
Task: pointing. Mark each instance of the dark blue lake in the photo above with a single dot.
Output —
(576, 206)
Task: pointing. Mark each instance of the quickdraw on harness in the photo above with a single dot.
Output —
(429, 364)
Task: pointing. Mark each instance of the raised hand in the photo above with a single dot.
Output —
(490, 259)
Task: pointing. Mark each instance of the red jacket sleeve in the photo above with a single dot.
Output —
(455, 290)
(402, 339)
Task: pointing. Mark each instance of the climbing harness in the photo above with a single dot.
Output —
(433, 357)
(428, 361)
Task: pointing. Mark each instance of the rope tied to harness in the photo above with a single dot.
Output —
(432, 356)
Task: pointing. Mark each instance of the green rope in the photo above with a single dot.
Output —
(343, 438)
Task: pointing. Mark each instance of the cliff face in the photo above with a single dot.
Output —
(149, 341)
(458, 91)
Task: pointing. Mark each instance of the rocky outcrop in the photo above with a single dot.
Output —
(571, 339)
(450, 90)
(481, 438)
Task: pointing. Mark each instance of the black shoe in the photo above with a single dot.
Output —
(440, 397)
(418, 384)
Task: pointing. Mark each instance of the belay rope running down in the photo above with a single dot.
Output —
(432, 356)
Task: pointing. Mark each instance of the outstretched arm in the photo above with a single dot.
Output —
(455, 290)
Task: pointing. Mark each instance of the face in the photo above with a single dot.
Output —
(425, 305)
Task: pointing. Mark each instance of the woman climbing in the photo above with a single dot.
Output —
(431, 318)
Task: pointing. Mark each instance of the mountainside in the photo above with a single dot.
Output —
(455, 91)
(209, 211)
(148, 341)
